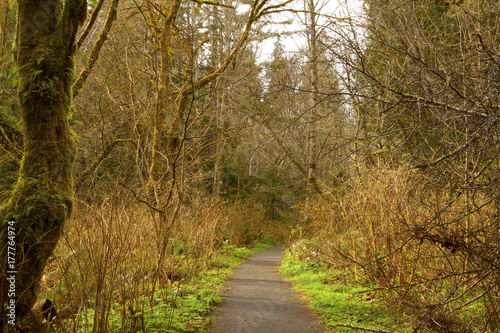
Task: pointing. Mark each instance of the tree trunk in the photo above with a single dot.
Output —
(221, 143)
(312, 53)
(42, 199)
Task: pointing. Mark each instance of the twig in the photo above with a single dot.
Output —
(136, 196)
(368, 329)
(213, 3)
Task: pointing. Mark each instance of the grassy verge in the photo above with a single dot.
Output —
(180, 306)
(202, 293)
(338, 301)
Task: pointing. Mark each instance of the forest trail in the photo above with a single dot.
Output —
(258, 300)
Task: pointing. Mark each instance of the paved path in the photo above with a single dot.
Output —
(258, 300)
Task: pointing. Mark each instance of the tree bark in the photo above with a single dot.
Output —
(312, 53)
(42, 199)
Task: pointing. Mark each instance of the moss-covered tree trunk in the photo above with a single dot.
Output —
(42, 199)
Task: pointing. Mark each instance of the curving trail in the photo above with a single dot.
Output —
(258, 300)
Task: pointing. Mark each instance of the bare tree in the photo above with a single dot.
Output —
(305, 114)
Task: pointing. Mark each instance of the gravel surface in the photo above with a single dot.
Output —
(258, 300)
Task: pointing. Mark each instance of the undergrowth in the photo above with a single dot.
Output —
(342, 303)
(114, 270)
(431, 252)
(182, 307)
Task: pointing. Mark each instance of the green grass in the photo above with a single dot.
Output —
(337, 300)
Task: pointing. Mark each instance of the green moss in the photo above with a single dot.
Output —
(42, 199)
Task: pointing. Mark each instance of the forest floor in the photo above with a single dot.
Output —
(257, 299)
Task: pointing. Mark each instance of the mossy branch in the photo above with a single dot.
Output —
(272, 9)
(258, 10)
(94, 55)
(98, 160)
(93, 19)
(213, 3)
(172, 16)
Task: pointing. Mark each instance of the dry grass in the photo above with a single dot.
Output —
(431, 250)
(106, 263)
